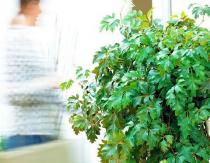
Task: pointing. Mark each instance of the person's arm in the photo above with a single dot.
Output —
(50, 81)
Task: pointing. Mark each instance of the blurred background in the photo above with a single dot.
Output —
(73, 32)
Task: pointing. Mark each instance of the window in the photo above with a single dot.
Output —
(164, 10)
(179, 5)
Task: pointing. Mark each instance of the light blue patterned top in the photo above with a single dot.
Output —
(33, 107)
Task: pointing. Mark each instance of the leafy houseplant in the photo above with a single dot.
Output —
(150, 92)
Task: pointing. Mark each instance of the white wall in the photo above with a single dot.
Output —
(161, 10)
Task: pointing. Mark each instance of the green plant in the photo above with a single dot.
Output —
(150, 92)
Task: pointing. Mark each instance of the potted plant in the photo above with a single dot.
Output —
(150, 92)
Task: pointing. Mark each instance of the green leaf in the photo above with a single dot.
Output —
(185, 125)
(152, 140)
(169, 139)
(204, 153)
(164, 146)
(92, 133)
(198, 11)
(180, 159)
(186, 154)
(163, 161)
(109, 23)
(66, 85)
(162, 54)
(110, 151)
(115, 100)
(79, 123)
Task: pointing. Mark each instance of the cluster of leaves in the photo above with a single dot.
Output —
(151, 92)
(198, 11)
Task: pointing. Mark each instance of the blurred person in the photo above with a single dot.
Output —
(33, 102)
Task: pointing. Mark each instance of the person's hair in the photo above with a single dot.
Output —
(26, 2)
